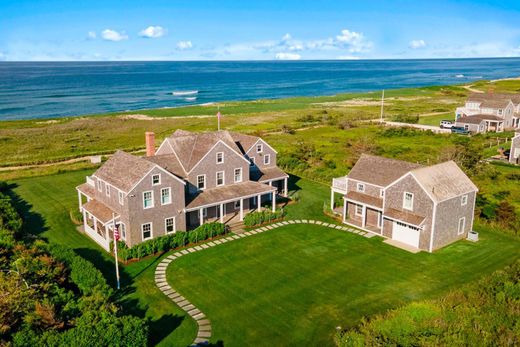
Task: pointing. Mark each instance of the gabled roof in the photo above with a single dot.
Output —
(170, 163)
(380, 171)
(124, 170)
(244, 142)
(192, 147)
(443, 181)
(494, 100)
(478, 118)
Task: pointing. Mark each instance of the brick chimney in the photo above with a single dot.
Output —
(150, 143)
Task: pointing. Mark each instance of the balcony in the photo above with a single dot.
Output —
(339, 184)
(90, 181)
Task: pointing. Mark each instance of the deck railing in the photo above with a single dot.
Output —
(339, 183)
(90, 181)
(96, 237)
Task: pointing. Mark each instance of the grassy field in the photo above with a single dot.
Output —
(293, 285)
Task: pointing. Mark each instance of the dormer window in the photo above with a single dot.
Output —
(220, 157)
(156, 179)
(408, 201)
(361, 187)
(107, 190)
(259, 148)
(121, 197)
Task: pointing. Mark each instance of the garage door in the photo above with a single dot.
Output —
(405, 234)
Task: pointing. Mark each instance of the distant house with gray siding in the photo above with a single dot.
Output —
(193, 178)
(426, 207)
(514, 153)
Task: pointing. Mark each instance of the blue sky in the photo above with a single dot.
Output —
(238, 30)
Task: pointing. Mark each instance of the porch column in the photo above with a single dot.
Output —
(345, 210)
(285, 190)
(270, 185)
(201, 216)
(85, 224)
(241, 209)
(259, 203)
(107, 233)
(80, 203)
(364, 216)
(331, 199)
(95, 224)
(221, 213)
(273, 198)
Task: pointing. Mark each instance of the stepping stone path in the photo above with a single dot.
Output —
(203, 323)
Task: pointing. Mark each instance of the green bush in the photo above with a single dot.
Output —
(258, 218)
(405, 119)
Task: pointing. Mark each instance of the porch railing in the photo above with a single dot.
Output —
(340, 183)
(96, 237)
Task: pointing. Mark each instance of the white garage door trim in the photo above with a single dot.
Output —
(402, 233)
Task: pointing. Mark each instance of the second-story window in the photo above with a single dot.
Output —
(107, 190)
(259, 148)
(238, 175)
(408, 201)
(166, 196)
(148, 199)
(156, 179)
(361, 187)
(99, 186)
(267, 159)
(220, 157)
(121, 197)
(464, 200)
(220, 178)
(201, 181)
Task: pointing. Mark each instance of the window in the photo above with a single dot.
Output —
(147, 231)
(148, 199)
(464, 200)
(259, 148)
(499, 111)
(382, 193)
(166, 196)
(220, 178)
(466, 127)
(252, 161)
(408, 201)
(359, 210)
(361, 187)
(122, 230)
(238, 175)
(201, 181)
(99, 186)
(267, 159)
(121, 197)
(220, 157)
(156, 179)
(107, 190)
(462, 224)
(169, 224)
(204, 212)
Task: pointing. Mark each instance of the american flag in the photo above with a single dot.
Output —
(116, 232)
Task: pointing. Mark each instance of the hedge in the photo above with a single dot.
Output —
(167, 242)
(257, 218)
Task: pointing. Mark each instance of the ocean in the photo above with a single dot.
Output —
(30, 90)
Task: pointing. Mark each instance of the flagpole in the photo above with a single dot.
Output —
(115, 250)
(218, 116)
(382, 105)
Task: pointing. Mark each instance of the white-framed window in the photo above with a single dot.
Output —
(464, 200)
(252, 161)
(99, 186)
(121, 197)
(156, 179)
(169, 225)
(166, 196)
(220, 157)
(499, 111)
(148, 199)
(201, 181)
(359, 210)
(259, 148)
(267, 159)
(408, 201)
(220, 178)
(462, 225)
(238, 175)
(361, 187)
(122, 230)
(146, 230)
(107, 190)
(237, 204)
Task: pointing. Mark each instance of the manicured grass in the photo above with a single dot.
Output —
(435, 120)
(294, 285)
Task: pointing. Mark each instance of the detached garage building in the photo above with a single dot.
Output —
(423, 207)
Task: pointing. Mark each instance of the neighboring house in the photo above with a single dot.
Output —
(493, 108)
(514, 153)
(481, 123)
(426, 207)
(192, 179)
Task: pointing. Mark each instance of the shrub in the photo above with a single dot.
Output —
(257, 218)
(405, 119)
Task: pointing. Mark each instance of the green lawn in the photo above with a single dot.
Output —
(293, 285)
(435, 120)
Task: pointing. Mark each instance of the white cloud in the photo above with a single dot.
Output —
(286, 37)
(3, 56)
(91, 35)
(348, 57)
(112, 35)
(183, 45)
(415, 44)
(287, 56)
(355, 42)
(153, 32)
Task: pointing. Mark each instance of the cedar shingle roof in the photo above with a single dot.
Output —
(123, 170)
(267, 174)
(494, 100)
(478, 118)
(379, 170)
(404, 216)
(87, 189)
(365, 199)
(244, 142)
(444, 181)
(170, 163)
(102, 212)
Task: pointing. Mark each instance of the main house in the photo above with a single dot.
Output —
(426, 207)
(485, 112)
(193, 178)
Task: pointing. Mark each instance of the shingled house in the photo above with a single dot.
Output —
(485, 112)
(193, 178)
(514, 153)
(426, 207)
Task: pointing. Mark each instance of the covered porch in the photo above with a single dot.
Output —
(98, 221)
(363, 211)
(229, 204)
(494, 125)
(339, 186)
(274, 177)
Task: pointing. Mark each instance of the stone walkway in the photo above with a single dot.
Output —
(204, 325)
